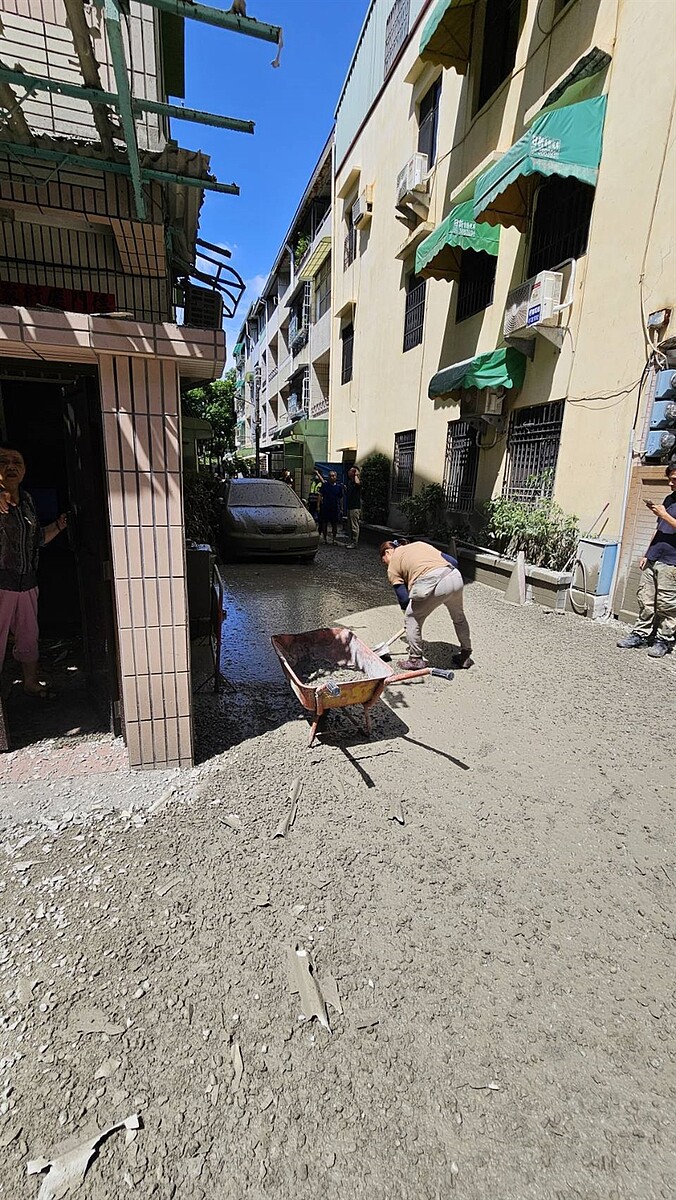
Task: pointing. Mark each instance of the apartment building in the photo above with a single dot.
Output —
(504, 193)
(109, 305)
(283, 348)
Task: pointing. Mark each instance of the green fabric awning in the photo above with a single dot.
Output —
(237, 349)
(565, 141)
(446, 39)
(439, 254)
(505, 367)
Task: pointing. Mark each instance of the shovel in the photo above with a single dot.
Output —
(382, 650)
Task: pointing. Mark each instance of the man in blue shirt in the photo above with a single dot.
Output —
(657, 589)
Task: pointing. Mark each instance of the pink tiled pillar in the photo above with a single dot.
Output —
(141, 415)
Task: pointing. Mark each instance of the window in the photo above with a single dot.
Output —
(415, 311)
(350, 246)
(402, 469)
(560, 227)
(323, 289)
(396, 30)
(462, 461)
(532, 451)
(501, 37)
(428, 120)
(476, 283)
(347, 336)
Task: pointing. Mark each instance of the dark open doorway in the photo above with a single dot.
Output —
(54, 419)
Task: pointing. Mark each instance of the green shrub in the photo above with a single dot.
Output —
(546, 534)
(427, 513)
(200, 492)
(375, 488)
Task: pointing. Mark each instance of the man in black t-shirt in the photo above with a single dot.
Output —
(657, 589)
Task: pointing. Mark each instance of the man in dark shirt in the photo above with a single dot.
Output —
(353, 506)
(657, 589)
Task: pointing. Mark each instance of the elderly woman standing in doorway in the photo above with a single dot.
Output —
(21, 537)
(424, 579)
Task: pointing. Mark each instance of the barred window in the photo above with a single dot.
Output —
(402, 469)
(560, 227)
(428, 122)
(347, 336)
(476, 283)
(396, 29)
(461, 466)
(501, 38)
(350, 243)
(323, 289)
(414, 316)
(532, 452)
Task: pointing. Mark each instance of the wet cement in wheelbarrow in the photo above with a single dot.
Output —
(321, 671)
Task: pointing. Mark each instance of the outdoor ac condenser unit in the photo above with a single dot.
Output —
(532, 304)
(483, 404)
(412, 176)
(203, 307)
(362, 209)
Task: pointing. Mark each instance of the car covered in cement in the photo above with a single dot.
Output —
(264, 518)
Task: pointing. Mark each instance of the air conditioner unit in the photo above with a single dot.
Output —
(412, 177)
(533, 304)
(483, 404)
(362, 209)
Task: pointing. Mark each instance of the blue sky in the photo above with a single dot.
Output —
(293, 108)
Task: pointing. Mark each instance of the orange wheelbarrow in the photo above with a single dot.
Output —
(299, 652)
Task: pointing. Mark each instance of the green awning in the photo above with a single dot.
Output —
(439, 254)
(565, 141)
(505, 367)
(446, 39)
(237, 349)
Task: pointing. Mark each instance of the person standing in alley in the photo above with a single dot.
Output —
(330, 500)
(21, 537)
(353, 501)
(424, 579)
(657, 588)
(314, 496)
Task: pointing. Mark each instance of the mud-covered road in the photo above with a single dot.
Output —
(503, 961)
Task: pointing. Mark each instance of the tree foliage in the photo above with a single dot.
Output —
(215, 402)
(375, 488)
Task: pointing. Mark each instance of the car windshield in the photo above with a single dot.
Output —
(261, 494)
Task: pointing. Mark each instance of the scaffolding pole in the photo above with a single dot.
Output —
(216, 16)
(64, 159)
(95, 96)
(114, 32)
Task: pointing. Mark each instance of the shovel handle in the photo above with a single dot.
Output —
(404, 676)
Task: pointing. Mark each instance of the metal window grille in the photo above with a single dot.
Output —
(396, 29)
(348, 353)
(428, 122)
(501, 37)
(323, 289)
(402, 469)
(560, 227)
(461, 466)
(476, 283)
(414, 315)
(350, 245)
(532, 452)
(320, 404)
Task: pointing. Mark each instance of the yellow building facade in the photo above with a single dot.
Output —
(542, 132)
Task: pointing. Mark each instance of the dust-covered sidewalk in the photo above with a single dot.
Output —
(503, 1024)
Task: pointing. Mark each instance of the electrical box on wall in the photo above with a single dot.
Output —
(661, 439)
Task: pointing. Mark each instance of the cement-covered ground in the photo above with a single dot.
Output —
(504, 960)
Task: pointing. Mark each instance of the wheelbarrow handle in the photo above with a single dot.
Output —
(406, 675)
